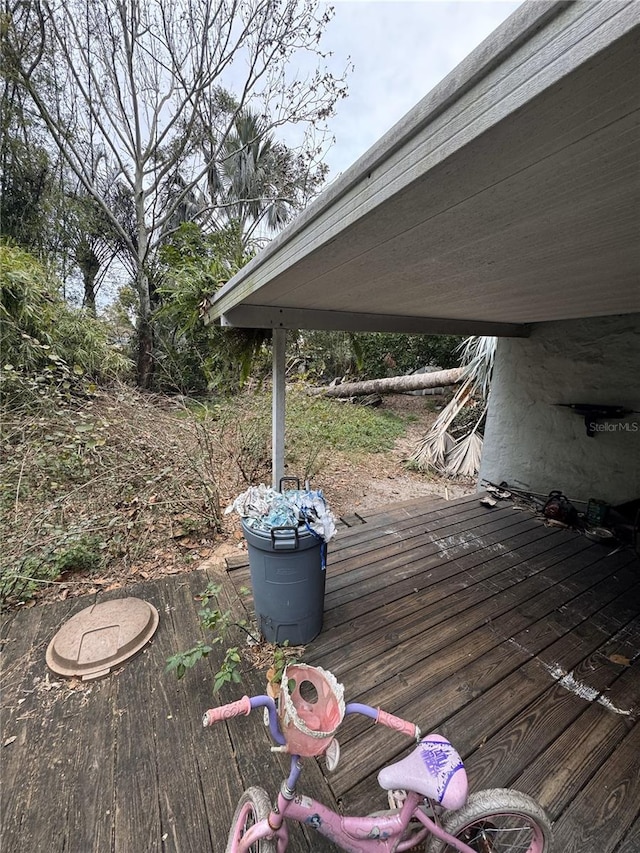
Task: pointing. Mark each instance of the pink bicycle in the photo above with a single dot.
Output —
(429, 786)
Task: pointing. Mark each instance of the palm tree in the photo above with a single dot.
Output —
(258, 184)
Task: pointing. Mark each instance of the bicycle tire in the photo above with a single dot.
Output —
(253, 806)
(498, 820)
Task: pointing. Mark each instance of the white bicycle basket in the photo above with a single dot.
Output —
(311, 707)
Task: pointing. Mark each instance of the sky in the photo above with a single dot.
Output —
(400, 50)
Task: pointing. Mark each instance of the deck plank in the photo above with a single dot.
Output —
(607, 806)
(473, 702)
(137, 801)
(395, 574)
(460, 617)
(631, 841)
(573, 758)
(469, 607)
(39, 712)
(500, 759)
(441, 653)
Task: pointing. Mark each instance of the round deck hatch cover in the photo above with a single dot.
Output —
(101, 637)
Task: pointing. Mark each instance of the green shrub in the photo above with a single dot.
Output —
(191, 357)
(322, 355)
(74, 553)
(48, 348)
(394, 354)
(371, 355)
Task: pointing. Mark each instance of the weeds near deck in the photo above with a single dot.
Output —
(120, 485)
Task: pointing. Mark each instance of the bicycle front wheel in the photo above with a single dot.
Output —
(498, 821)
(253, 806)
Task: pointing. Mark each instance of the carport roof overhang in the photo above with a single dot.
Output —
(508, 196)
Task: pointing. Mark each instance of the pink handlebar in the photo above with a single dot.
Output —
(225, 712)
(397, 724)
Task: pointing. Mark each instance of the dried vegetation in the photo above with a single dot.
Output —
(122, 485)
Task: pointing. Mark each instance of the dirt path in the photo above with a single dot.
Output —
(380, 479)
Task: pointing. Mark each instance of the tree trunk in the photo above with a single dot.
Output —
(89, 299)
(145, 353)
(394, 384)
(145, 322)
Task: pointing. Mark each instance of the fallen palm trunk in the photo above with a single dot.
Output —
(394, 384)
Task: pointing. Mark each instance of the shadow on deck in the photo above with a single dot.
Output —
(517, 641)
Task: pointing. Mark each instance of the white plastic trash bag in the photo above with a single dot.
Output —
(263, 508)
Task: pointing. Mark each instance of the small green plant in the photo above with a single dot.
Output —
(217, 621)
(75, 553)
(282, 656)
(182, 661)
(229, 672)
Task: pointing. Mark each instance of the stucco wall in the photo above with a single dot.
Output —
(532, 442)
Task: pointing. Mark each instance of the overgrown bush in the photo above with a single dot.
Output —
(389, 354)
(121, 477)
(193, 358)
(319, 355)
(49, 350)
(371, 355)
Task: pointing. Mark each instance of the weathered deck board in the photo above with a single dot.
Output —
(462, 618)
(607, 806)
(469, 706)
(478, 602)
(41, 727)
(497, 760)
(631, 842)
(573, 758)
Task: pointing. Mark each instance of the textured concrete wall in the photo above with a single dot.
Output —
(532, 442)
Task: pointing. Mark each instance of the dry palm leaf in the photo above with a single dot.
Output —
(432, 450)
(464, 459)
(477, 354)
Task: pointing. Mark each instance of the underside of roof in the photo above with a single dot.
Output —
(510, 195)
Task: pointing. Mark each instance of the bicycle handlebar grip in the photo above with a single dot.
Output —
(225, 712)
(397, 724)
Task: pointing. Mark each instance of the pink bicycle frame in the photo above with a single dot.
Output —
(381, 833)
(352, 834)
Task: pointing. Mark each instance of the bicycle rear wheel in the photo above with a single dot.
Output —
(253, 806)
(498, 821)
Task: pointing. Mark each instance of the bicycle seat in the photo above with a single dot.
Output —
(434, 769)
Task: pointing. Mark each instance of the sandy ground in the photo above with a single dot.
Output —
(379, 480)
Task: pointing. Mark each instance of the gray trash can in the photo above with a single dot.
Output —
(288, 578)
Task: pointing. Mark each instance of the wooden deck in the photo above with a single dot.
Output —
(519, 642)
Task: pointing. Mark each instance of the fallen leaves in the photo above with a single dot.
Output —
(621, 660)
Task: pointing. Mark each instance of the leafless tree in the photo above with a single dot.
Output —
(143, 86)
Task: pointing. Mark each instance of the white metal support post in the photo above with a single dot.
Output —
(279, 344)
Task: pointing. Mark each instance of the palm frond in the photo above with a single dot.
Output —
(463, 460)
(477, 355)
(432, 450)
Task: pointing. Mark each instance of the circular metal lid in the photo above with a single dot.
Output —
(101, 637)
